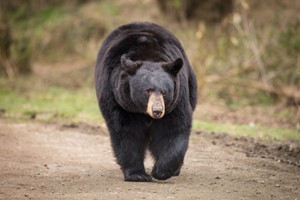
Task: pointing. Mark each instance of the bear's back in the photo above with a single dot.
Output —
(141, 41)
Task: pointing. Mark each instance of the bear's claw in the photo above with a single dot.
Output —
(138, 177)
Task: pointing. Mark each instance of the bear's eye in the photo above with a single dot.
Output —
(163, 93)
(148, 91)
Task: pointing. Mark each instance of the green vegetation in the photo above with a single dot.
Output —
(248, 130)
(241, 50)
(51, 104)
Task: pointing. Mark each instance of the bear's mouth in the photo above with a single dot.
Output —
(156, 105)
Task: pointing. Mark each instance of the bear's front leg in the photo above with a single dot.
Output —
(169, 152)
(169, 143)
(129, 144)
(130, 151)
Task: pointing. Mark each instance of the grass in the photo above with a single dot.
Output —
(51, 104)
(248, 130)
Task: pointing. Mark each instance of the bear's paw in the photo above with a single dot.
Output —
(137, 177)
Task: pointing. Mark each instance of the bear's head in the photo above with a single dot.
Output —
(152, 85)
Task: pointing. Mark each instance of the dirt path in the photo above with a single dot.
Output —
(42, 161)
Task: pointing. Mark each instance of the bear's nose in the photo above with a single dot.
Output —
(156, 106)
(157, 113)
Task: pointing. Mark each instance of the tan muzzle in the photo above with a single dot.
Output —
(156, 105)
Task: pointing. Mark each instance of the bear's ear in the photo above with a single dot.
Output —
(128, 65)
(173, 67)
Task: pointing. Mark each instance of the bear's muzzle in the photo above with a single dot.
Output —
(156, 105)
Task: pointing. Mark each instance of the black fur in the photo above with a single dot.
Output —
(152, 58)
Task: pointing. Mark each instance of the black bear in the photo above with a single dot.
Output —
(147, 92)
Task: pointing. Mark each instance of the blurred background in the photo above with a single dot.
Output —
(246, 55)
